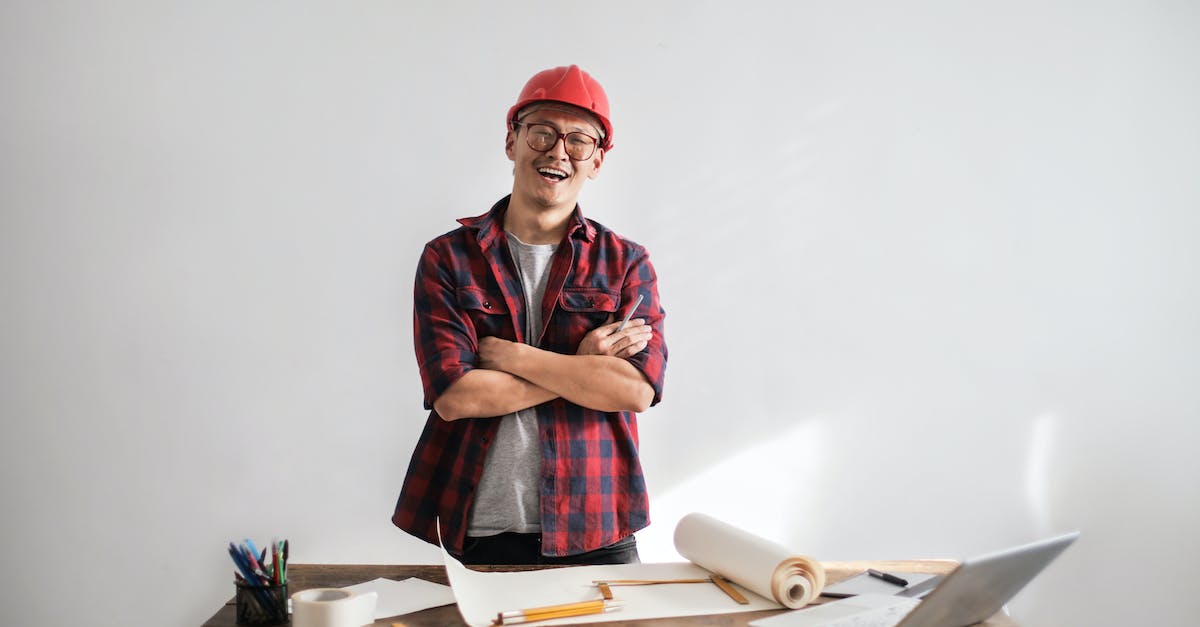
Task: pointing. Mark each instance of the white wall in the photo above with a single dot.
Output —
(930, 271)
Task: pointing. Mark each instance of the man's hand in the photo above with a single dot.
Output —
(606, 340)
(591, 377)
(494, 352)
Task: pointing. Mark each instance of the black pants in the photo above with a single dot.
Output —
(526, 548)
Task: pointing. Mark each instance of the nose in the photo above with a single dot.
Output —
(558, 149)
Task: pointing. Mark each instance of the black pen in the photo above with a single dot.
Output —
(888, 577)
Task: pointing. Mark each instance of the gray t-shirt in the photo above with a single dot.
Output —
(508, 497)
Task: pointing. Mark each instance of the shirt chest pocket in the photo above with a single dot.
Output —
(584, 309)
(487, 311)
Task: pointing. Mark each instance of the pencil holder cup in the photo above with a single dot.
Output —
(261, 605)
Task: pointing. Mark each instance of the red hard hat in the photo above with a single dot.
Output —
(569, 85)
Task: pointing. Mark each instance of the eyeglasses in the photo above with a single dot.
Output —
(543, 137)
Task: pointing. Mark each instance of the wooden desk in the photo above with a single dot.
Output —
(305, 576)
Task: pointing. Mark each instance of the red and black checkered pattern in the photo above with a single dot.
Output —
(593, 492)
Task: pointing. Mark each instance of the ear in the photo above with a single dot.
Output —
(597, 161)
(509, 141)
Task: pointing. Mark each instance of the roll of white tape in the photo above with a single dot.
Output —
(333, 607)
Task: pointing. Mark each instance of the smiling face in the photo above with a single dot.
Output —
(551, 179)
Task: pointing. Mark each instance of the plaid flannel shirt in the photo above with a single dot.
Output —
(592, 489)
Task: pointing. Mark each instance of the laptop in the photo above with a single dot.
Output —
(972, 593)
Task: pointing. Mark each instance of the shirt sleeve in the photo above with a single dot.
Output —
(652, 360)
(443, 334)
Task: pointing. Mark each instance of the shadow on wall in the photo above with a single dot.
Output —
(755, 489)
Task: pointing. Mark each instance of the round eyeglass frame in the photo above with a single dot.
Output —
(559, 136)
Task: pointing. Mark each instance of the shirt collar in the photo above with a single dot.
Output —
(490, 224)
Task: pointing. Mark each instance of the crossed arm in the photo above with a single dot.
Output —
(512, 376)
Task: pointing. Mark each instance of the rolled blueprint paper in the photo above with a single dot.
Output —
(755, 563)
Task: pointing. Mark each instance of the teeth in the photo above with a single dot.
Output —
(552, 172)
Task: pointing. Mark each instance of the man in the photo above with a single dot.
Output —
(530, 455)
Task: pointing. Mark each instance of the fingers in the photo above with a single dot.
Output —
(633, 322)
(606, 340)
(633, 349)
(630, 340)
(486, 352)
(611, 327)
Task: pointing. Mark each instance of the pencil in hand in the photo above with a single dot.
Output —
(629, 314)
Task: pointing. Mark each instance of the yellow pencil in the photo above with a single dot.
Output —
(647, 582)
(556, 611)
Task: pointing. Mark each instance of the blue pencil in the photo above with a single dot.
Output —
(260, 593)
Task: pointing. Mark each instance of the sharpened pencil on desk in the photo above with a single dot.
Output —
(556, 611)
(647, 582)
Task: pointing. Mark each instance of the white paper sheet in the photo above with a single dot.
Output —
(763, 572)
(481, 595)
(864, 610)
(403, 597)
(866, 584)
